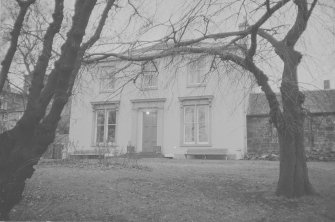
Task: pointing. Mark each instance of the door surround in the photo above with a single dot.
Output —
(149, 130)
(139, 107)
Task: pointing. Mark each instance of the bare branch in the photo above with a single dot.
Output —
(41, 39)
(101, 24)
(169, 51)
(262, 81)
(42, 63)
(253, 46)
(269, 13)
(85, 46)
(267, 3)
(213, 36)
(300, 24)
(57, 85)
(312, 7)
(272, 40)
(6, 63)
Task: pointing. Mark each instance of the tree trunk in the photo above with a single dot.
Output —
(22, 147)
(293, 176)
(17, 161)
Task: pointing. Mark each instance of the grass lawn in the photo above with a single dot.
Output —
(173, 190)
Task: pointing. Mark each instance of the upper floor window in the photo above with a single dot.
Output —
(107, 82)
(149, 76)
(196, 73)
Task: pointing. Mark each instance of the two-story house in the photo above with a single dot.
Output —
(178, 104)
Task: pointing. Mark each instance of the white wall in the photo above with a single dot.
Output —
(228, 113)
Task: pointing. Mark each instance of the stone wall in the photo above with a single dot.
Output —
(319, 133)
(261, 136)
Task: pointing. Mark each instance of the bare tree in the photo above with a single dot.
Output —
(7, 61)
(287, 116)
(22, 146)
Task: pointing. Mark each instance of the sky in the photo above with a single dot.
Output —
(317, 44)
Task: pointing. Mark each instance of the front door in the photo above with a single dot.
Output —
(149, 139)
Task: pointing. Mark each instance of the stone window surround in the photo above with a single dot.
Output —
(196, 100)
(106, 105)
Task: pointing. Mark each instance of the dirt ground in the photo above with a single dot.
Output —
(172, 190)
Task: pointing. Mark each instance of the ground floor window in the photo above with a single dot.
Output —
(105, 122)
(196, 125)
(195, 120)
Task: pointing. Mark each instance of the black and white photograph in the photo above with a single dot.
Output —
(167, 110)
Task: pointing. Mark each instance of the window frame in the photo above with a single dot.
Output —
(105, 79)
(201, 73)
(106, 112)
(197, 101)
(149, 69)
(196, 125)
(145, 75)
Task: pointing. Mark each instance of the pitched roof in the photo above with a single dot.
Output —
(317, 101)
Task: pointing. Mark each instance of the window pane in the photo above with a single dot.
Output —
(153, 80)
(196, 71)
(189, 114)
(103, 85)
(100, 117)
(202, 124)
(107, 83)
(193, 77)
(111, 117)
(189, 132)
(100, 134)
(111, 134)
(150, 80)
(203, 132)
(202, 113)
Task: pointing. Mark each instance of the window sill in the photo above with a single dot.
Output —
(196, 85)
(149, 88)
(104, 146)
(196, 145)
(107, 91)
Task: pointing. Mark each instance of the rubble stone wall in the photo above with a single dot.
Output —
(319, 131)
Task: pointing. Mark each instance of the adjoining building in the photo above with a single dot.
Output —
(319, 128)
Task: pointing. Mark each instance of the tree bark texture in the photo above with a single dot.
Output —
(293, 176)
(22, 147)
